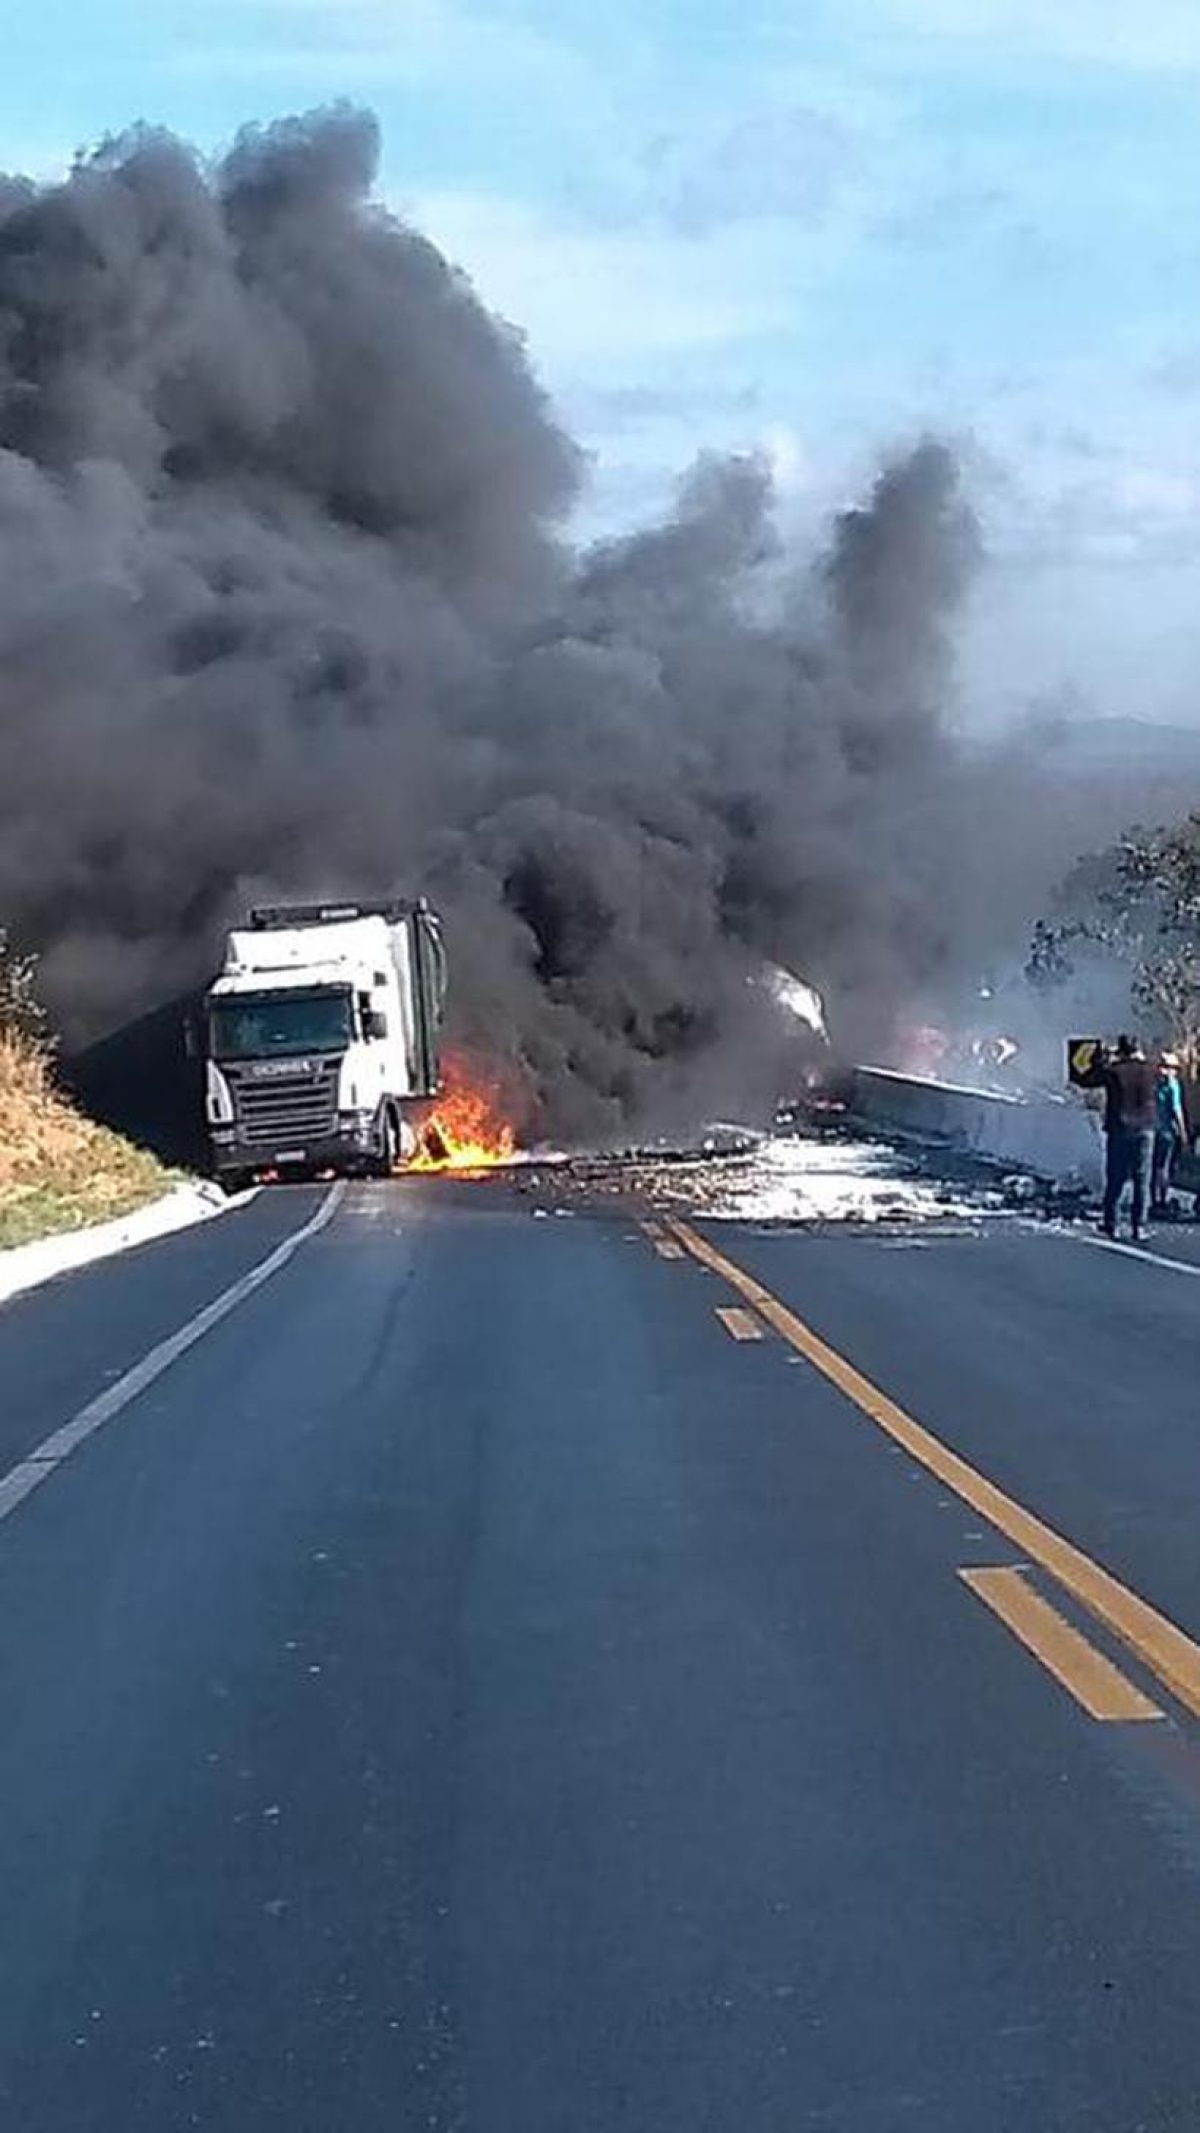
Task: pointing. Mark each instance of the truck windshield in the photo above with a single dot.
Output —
(274, 1025)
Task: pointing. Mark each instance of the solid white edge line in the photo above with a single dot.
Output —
(20, 1481)
(1135, 1251)
(25, 1268)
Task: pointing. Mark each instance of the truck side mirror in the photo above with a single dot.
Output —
(191, 1037)
(375, 1024)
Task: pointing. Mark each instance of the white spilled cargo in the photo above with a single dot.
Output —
(1052, 1137)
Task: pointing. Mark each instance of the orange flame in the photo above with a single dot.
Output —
(467, 1130)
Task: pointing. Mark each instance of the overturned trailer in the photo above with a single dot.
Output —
(1054, 1137)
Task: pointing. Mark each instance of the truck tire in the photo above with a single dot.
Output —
(388, 1158)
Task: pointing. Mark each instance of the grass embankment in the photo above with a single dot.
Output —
(58, 1169)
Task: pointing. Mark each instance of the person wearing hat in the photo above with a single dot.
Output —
(1170, 1132)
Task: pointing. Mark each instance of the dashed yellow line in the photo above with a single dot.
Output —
(1092, 1679)
(1165, 1649)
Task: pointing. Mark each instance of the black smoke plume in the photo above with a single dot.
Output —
(285, 607)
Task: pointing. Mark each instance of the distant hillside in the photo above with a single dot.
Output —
(1141, 747)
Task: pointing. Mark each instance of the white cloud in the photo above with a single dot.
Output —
(1160, 36)
(655, 347)
(598, 300)
(1062, 507)
(774, 159)
(787, 458)
(361, 46)
(1160, 495)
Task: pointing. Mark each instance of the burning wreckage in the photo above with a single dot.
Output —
(321, 1041)
(322, 1052)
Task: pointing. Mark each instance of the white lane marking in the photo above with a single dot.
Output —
(31, 1471)
(1136, 1251)
(19, 1482)
(741, 1325)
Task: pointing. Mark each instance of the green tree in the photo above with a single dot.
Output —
(1138, 903)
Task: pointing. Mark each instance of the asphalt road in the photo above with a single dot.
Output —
(462, 1686)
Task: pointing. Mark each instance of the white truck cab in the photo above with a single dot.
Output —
(321, 1038)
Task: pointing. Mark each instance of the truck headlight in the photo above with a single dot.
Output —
(219, 1100)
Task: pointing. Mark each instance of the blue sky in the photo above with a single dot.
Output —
(814, 230)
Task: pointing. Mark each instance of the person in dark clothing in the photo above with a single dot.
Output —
(1130, 1087)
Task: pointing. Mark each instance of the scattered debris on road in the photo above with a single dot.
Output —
(817, 1177)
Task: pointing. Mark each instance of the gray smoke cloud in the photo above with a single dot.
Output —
(285, 607)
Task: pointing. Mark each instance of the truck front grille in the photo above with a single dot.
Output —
(286, 1110)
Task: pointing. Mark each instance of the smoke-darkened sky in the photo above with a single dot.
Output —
(286, 607)
(807, 231)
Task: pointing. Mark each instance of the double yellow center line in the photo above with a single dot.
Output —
(1161, 1646)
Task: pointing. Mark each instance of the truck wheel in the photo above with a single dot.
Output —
(389, 1155)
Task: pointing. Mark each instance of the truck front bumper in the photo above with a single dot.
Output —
(354, 1146)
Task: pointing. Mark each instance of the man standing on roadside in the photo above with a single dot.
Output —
(1130, 1087)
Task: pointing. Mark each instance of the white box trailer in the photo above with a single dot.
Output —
(321, 1039)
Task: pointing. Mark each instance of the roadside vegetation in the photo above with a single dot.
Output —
(58, 1169)
(1138, 905)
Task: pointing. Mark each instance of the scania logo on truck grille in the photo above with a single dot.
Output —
(270, 1069)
